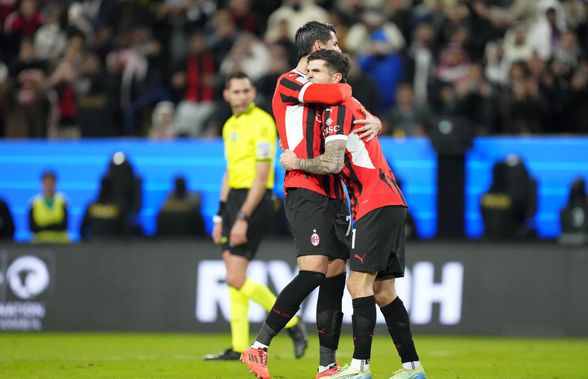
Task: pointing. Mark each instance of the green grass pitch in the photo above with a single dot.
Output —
(124, 355)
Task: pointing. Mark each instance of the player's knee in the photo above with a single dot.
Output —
(314, 278)
(357, 287)
(384, 296)
(235, 280)
(335, 268)
(313, 263)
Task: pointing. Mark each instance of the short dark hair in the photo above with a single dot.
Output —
(334, 60)
(307, 34)
(236, 75)
(48, 174)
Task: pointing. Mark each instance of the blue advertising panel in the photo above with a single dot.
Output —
(81, 164)
(553, 162)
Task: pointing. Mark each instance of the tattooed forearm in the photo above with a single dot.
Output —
(330, 162)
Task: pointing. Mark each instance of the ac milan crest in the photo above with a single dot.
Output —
(314, 238)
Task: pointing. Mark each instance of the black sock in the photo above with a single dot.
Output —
(288, 303)
(329, 317)
(364, 322)
(399, 328)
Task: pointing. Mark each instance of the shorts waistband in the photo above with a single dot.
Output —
(268, 192)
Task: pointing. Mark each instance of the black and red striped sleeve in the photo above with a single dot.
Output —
(338, 122)
(294, 89)
(328, 94)
(289, 87)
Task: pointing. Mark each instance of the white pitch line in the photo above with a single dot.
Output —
(177, 357)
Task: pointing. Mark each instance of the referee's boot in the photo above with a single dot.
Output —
(227, 355)
(299, 337)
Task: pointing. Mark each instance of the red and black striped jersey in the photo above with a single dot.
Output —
(369, 180)
(297, 107)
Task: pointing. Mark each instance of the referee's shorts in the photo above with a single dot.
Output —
(260, 221)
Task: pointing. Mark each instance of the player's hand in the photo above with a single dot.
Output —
(238, 233)
(217, 232)
(371, 128)
(288, 160)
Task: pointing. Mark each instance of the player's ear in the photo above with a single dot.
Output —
(316, 46)
(336, 78)
(226, 94)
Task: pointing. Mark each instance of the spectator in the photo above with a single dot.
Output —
(49, 213)
(3, 79)
(342, 28)
(572, 217)
(453, 65)
(195, 79)
(487, 22)
(374, 35)
(296, 13)
(21, 23)
(399, 13)
(142, 77)
(545, 34)
(350, 10)
(577, 103)
(104, 218)
(249, 55)
(406, 118)
(510, 204)
(6, 9)
(523, 105)
(475, 100)
(126, 186)
(78, 19)
(282, 38)
(180, 214)
(266, 85)
(365, 89)
(50, 39)
(72, 77)
(244, 17)
(516, 45)
(496, 71)
(25, 99)
(376, 43)
(6, 222)
(567, 53)
(224, 35)
(420, 61)
(162, 122)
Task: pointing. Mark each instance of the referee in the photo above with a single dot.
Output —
(246, 210)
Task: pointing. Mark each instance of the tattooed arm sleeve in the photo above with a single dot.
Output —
(330, 162)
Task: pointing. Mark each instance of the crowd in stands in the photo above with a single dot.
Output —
(100, 68)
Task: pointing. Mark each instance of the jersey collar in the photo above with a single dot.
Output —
(298, 72)
(251, 106)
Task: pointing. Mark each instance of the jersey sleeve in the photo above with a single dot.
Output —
(295, 89)
(225, 133)
(265, 141)
(337, 123)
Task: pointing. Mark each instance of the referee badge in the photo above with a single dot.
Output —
(234, 136)
(314, 238)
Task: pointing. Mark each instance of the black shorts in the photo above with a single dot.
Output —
(259, 223)
(320, 225)
(378, 243)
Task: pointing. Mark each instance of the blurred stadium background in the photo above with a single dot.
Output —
(485, 112)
